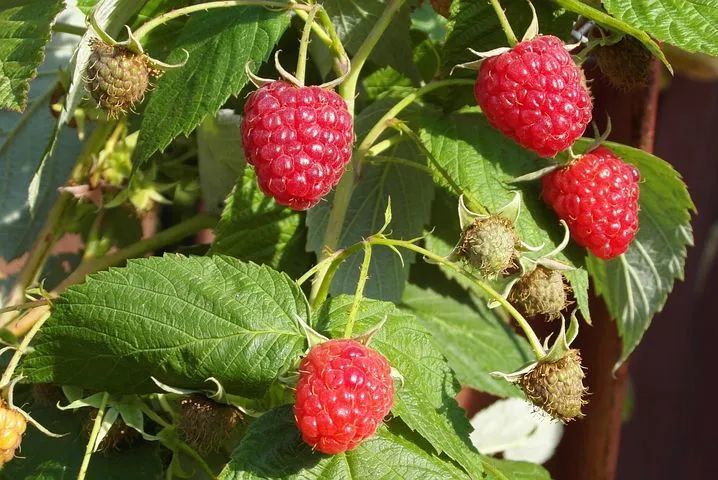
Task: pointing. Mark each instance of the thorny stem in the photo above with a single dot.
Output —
(363, 276)
(505, 25)
(304, 45)
(150, 25)
(93, 437)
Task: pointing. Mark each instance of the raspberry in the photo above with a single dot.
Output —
(344, 392)
(116, 77)
(540, 292)
(206, 425)
(299, 140)
(12, 428)
(557, 388)
(625, 64)
(535, 94)
(597, 196)
(490, 245)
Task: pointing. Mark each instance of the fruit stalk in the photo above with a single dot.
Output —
(363, 276)
(505, 25)
(304, 45)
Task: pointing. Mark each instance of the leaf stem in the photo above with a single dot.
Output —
(304, 45)
(93, 437)
(150, 25)
(505, 25)
(358, 295)
(25, 306)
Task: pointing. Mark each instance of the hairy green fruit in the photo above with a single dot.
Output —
(541, 292)
(206, 425)
(116, 77)
(490, 245)
(557, 388)
(625, 64)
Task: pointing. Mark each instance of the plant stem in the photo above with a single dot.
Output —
(25, 306)
(165, 237)
(348, 88)
(93, 437)
(154, 416)
(304, 45)
(505, 25)
(21, 349)
(61, 27)
(150, 25)
(323, 283)
(384, 145)
(363, 276)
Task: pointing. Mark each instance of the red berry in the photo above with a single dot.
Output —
(597, 196)
(344, 392)
(299, 140)
(535, 94)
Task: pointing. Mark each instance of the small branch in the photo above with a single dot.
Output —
(150, 25)
(384, 145)
(505, 25)
(165, 237)
(25, 306)
(61, 27)
(300, 73)
(363, 276)
(93, 437)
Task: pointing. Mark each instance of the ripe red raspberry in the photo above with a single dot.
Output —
(535, 94)
(299, 140)
(597, 196)
(345, 390)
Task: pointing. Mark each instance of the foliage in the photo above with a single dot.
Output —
(229, 313)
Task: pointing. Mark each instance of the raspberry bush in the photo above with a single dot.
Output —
(301, 228)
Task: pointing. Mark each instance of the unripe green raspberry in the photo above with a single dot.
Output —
(206, 425)
(557, 388)
(116, 77)
(541, 292)
(490, 245)
(625, 64)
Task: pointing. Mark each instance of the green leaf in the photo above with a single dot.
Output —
(179, 319)
(220, 42)
(475, 25)
(386, 82)
(220, 157)
(354, 21)
(255, 228)
(508, 470)
(273, 448)
(636, 285)
(45, 458)
(24, 32)
(480, 160)
(691, 25)
(23, 141)
(474, 340)
(425, 402)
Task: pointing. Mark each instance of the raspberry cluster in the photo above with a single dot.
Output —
(345, 390)
(597, 196)
(299, 141)
(536, 95)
